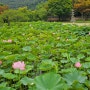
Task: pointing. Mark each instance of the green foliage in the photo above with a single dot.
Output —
(26, 48)
(60, 8)
(42, 10)
(75, 76)
(15, 15)
(6, 88)
(27, 81)
(48, 65)
(22, 14)
(44, 47)
(9, 76)
(49, 81)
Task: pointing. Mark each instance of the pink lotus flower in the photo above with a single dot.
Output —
(78, 64)
(0, 62)
(10, 41)
(19, 65)
(7, 41)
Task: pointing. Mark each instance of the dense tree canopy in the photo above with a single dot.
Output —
(60, 8)
(3, 8)
(83, 6)
(21, 3)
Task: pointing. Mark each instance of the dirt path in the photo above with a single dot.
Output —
(80, 24)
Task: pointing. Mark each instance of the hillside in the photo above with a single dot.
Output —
(20, 3)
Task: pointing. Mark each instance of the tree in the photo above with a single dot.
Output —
(3, 8)
(60, 8)
(42, 10)
(14, 15)
(83, 6)
(14, 4)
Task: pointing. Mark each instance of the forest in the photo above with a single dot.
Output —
(50, 10)
(31, 4)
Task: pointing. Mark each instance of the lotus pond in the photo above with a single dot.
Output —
(44, 56)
